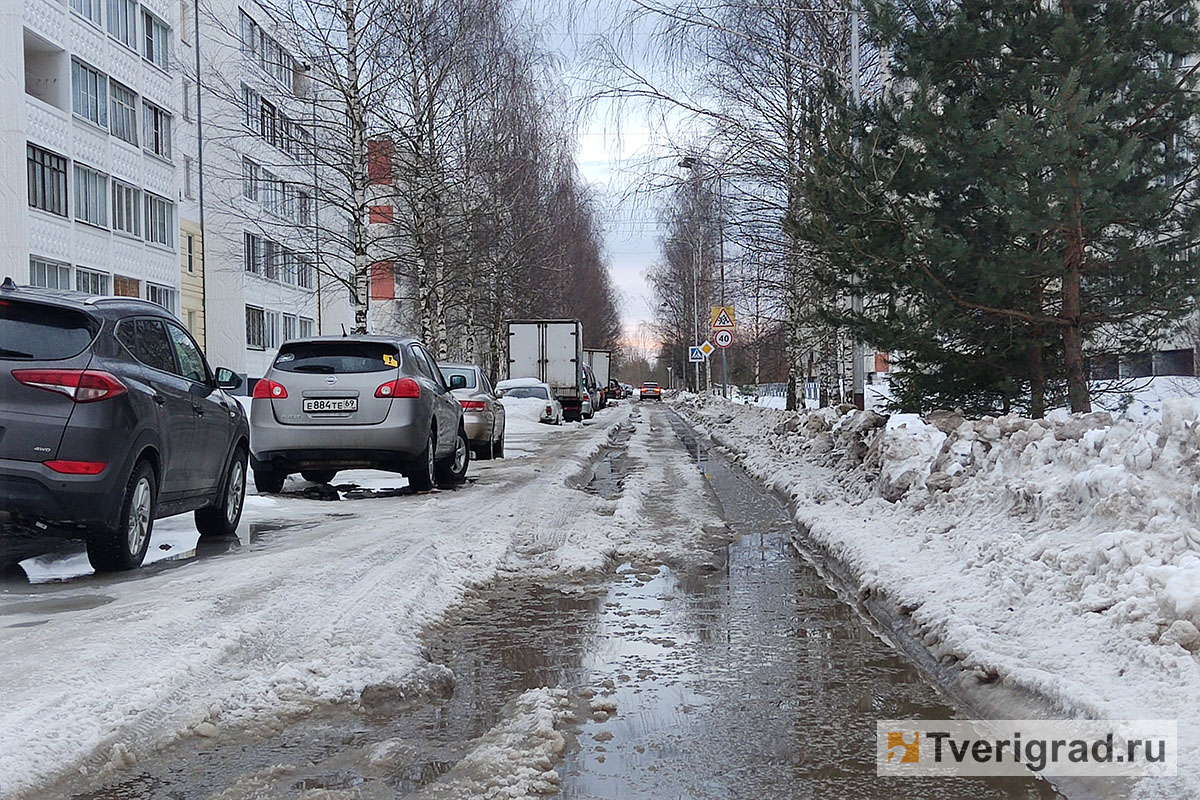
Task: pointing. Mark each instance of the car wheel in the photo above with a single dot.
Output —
(487, 450)
(268, 480)
(453, 470)
(124, 547)
(422, 475)
(222, 517)
(498, 447)
(318, 475)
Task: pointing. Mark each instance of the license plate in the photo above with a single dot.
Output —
(317, 405)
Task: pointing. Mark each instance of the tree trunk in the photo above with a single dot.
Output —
(358, 173)
(1037, 382)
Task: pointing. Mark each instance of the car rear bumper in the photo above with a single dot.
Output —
(478, 426)
(400, 437)
(51, 502)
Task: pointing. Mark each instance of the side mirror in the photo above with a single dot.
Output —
(228, 380)
(458, 382)
(500, 393)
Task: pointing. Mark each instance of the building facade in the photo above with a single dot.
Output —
(264, 228)
(88, 165)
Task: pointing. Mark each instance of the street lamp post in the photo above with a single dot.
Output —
(856, 301)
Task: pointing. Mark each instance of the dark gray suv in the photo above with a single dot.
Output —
(110, 418)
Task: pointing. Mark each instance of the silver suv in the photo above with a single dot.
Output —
(333, 403)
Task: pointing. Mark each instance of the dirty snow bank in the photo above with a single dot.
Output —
(1058, 558)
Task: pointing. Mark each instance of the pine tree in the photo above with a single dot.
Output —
(1022, 195)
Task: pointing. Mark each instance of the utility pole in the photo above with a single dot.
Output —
(856, 301)
(721, 256)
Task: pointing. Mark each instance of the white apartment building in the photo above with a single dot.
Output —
(88, 171)
(263, 228)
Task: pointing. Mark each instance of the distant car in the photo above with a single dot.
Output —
(332, 403)
(532, 388)
(615, 390)
(593, 391)
(650, 391)
(483, 413)
(110, 418)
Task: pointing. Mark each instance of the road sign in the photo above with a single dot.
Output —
(723, 339)
(695, 354)
(707, 349)
(722, 318)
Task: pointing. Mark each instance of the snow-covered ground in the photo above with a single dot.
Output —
(101, 672)
(1058, 558)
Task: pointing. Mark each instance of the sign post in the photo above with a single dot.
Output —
(723, 321)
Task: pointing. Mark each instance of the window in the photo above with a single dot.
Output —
(91, 196)
(126, 208)
(185, 21)
(88, 9)
(160, 220)
(89, 281)
(268, 122)
(124, 112)
(304, 270)
(89, 93)
(49, 274)
(252, 253)
(187, 100)
(287, 266)
(156, 41)
(157, 137)
(191, 253)
(272, 256)
(289, 327)
(248, 33)
(161, 295)
(306, 327)
(191, 363)
(250, 179)
(147, 341)
(122, 22)
(262, 328)
(251, 103)
(271, 189)
(47, 180)
(187, 177)
(126, 287)
(304, 208)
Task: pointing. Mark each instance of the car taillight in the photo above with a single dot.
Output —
(473, 405)
(401, 387)
(76, 467)
(81, 385)
(550, 411)
(269, 390)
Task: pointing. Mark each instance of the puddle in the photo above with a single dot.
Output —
(752, 681)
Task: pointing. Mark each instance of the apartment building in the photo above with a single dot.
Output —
(87, 157)
(264, 281)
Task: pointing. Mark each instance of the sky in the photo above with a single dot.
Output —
(612, 151)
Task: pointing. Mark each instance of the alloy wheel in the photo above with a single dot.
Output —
(139, 516)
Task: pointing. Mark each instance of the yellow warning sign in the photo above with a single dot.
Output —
(722, 318)
(707, 349)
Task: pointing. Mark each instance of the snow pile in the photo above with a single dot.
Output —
(1059, 558)
(516, 758)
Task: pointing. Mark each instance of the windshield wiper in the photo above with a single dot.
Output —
(5, 352)
(312, 368)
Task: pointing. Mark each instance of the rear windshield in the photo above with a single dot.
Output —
(519, 392)
(337, 357)
(649, 385)
(469, 374)
(36, 332)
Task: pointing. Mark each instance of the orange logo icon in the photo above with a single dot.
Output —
(909, 751)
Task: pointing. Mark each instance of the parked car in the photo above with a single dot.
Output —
(594, 392)
(110, 418)
(335, 402)
(650, 391)
(615, 390)
(522, 388)
(483, 413)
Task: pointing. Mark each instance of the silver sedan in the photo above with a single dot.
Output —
(483, 413)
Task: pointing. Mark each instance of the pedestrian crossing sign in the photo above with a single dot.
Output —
(722, 318)
(695, 354)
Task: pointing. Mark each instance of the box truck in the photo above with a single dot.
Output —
(551, 350)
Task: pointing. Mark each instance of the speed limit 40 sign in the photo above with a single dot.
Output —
(723, 338)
